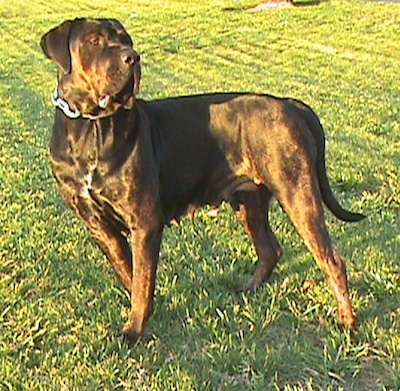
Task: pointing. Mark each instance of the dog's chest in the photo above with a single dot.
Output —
(86, 167)
(90, 184)
(86, 170)
(90, 180)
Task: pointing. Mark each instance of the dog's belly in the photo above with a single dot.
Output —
(220, 186)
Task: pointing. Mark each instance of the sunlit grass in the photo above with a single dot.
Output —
(61, 307)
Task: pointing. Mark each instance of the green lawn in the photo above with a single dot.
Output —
(61, 307)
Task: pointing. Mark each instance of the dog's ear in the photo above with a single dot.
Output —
(137, 74)
(55, 45)
(136, 85)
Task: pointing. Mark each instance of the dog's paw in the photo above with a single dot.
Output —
(129, 335)
(347, 319)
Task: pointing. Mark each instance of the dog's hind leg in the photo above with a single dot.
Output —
(308, 219)
(253, 213)
(301, 200)
(286, 165)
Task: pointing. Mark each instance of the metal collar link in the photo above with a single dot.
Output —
(63, 105)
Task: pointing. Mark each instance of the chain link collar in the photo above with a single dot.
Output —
(64, 106)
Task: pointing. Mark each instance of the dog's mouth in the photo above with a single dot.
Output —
(120, 93)
(107, 102)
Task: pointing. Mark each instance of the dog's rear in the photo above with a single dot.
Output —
(328, 197)
(282, 144)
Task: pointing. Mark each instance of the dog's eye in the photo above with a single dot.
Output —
(95, 40)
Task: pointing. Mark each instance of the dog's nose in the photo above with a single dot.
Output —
(130, 57)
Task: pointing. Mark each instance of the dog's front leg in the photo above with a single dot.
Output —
(146, 244)
(108, 237)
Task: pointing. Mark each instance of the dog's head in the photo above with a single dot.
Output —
(99, 71)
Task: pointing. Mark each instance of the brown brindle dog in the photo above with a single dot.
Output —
(129, 167)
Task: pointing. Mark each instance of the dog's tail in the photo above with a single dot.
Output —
(326, 192)
(327, 195)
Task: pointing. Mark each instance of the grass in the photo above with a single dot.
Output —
(61, 307)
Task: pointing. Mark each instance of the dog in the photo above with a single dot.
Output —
(128, 167)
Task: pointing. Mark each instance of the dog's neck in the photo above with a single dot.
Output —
(69, 112)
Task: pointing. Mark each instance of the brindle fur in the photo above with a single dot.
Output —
(128, 167)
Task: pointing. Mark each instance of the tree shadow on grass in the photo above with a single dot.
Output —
(309, 3)
(297, 4)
